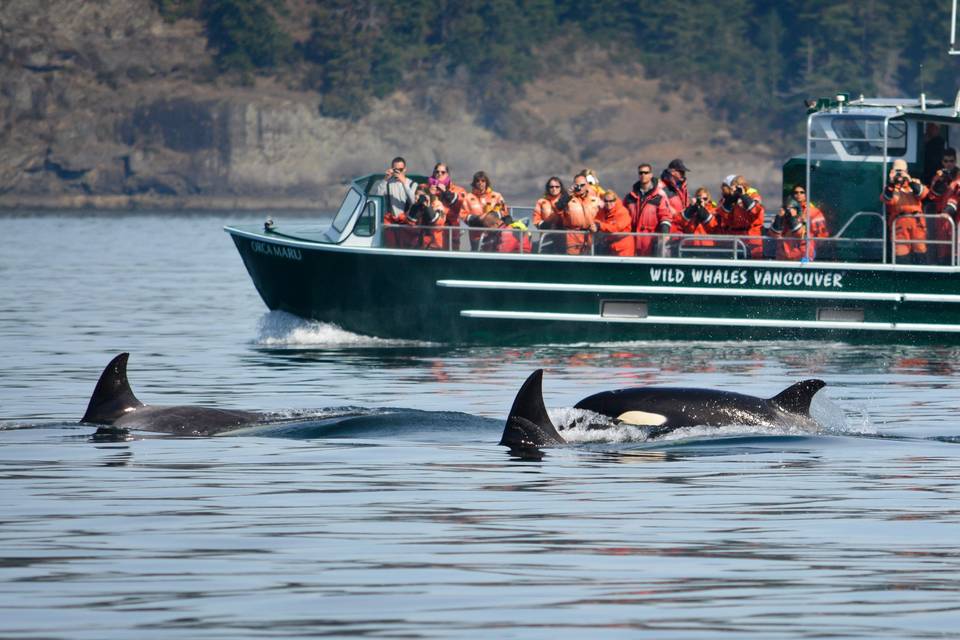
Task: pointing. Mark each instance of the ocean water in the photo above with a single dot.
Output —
(387, 509)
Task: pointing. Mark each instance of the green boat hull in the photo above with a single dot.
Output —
(462, 297)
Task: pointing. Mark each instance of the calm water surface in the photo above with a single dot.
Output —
(410, 521)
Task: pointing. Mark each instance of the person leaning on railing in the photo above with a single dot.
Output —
(427, 213)
(546, 217)
(790, 232)
(942, 198)
(613, 219)
(902, 198)
(480, 201)
(741, 214)
(649, 212)
(503, 235)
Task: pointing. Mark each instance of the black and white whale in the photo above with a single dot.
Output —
(659, 410)
(114, 407)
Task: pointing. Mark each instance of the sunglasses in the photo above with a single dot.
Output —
(554, 186)
(610, 201)
(644, 172)
(799, 192)
(439, 172)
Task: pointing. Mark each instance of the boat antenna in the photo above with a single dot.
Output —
(953, 31)
(923, 94)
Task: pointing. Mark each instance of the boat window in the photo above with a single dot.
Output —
(864, 136)
(365, 223)
(347, 207)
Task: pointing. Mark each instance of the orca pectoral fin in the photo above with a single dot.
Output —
(528, 425)
(797, 398)
(112, 396)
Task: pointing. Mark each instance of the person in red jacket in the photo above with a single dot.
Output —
(649, 211)
(790, 230)
(902, 198)
(741, 214)
(673, 181)
(699, 219)
(613, 218)
(942, 198)
(451, 198)
(504, 235)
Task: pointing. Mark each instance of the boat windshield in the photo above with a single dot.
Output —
(347, 208)
(864, 136)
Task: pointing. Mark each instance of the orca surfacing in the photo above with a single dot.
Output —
(114, 408)
(659, 409)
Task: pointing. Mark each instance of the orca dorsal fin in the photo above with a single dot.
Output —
(528, 425)
(797, 398)
(112, 397)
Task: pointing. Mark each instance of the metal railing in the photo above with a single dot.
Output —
(941, 221)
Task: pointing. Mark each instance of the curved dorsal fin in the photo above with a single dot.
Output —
(797, 398)
(112, 397)
(528, 424)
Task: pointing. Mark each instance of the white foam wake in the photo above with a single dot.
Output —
(281, 329)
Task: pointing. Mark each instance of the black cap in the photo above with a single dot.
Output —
(678, 165)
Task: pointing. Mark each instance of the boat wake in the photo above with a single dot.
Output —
(282, 329)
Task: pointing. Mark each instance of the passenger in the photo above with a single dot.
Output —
(481, 200)
(942, 198)
(699, 219)
(578, 214)
(451, 198)
(546, 216)
(649, 212)
(673, 181)
(790, 231)
(613, 218)
(903, 196)
(504, 235)
(594, 181)
(428, 214)
(741, 214)
(399, 192)
(818, 223)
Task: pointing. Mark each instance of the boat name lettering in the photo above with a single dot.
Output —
(275, 250)
(761, 277)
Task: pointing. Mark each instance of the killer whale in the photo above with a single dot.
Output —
(659, 409)
(114, 407)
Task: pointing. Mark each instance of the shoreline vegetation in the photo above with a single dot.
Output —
(144, 104)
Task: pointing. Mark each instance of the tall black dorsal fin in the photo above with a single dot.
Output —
(113, 397)
(797, 398)
(528, 424)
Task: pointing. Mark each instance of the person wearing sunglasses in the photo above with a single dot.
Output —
(399, 191)
(790, 231)
(478, 202)
(613, 219)
(649, 211)
(546, 216)
(449, 198)
(673, 181)
(578, 212)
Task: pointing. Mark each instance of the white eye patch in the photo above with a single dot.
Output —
(642, 418)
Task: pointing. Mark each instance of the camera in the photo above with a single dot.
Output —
(578, 187)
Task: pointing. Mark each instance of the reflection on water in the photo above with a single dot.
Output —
(404, 518)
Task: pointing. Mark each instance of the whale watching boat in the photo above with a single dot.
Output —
(850, 286)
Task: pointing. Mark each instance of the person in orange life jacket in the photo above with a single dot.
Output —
(902, 197)
(673, 181)
(399, 192)
(613, 218)
(578, 212)
(428, 214)
(649, 211)
(451, 200)
(546, 216)
(504, 235)
(479, 201)
(741, 214)
(818, 223)
(790, 230)
(699, 218)
(942, 198)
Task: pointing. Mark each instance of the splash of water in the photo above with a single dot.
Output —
(281, 329)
